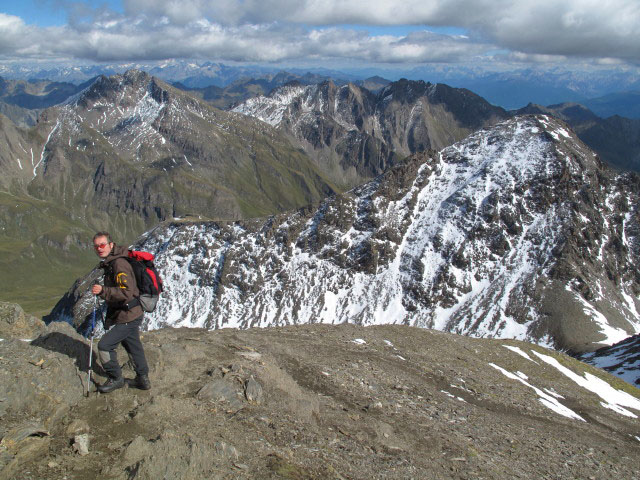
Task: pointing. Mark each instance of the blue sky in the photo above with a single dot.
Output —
(46, 13)
(328, 32)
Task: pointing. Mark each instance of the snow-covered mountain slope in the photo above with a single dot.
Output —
(516, 232)
(621, 359)
(354, 134)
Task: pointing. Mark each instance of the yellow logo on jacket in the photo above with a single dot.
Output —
(121, 280)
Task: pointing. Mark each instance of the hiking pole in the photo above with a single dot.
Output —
(93, 325)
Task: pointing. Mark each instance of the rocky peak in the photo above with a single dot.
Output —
(614, 138)
(122, 90)
(406, 91)
(354, 135)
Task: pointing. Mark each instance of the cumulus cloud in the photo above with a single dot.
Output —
(13, 33)
(594, 28)
(280, 30)
(157, 38)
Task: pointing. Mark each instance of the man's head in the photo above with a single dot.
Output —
(102, 244)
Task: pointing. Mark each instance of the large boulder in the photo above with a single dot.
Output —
(15, 323)
(39, 383)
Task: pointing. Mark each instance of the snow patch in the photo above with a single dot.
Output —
(549, 401)
(614, 399)
(519, 352)
(612, 334)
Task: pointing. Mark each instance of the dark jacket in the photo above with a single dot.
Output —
(119, 287)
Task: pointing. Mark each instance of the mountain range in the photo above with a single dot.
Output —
(130, 151)
(510, 89)
(155, 153)
(623, 104)
(355, 134)
(518, 231)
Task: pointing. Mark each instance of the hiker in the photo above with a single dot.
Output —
(123, 323)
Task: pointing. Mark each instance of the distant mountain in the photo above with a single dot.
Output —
(373, 84)
(22, 101)
(243, 89)
(511, 89)
(56, 72)
(354, 134)
(623, 104)
(615, 139)
(516, 88)
(130, 151)
(191, 74)
(37, 93)
(518, 231)
(516, 93)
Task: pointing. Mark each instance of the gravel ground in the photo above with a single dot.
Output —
(310, 402)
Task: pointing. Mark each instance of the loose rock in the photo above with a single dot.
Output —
(81, 444)
(253, 391)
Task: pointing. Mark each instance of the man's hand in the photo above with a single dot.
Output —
(96, 289)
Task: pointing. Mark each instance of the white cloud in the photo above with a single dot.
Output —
(13, 33)
(154, 39)
(545, 31)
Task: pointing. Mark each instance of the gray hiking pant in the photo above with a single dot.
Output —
(129, 335)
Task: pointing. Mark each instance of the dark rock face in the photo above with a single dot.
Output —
(339, 401)
(621, 359)
(518, 231)
(354, 134)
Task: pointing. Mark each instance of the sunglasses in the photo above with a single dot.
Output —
(98, 246)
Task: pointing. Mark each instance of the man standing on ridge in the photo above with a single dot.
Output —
(124, 316)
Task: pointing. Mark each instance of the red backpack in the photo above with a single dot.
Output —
(148, 281)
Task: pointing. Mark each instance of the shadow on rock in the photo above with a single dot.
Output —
(69, 343)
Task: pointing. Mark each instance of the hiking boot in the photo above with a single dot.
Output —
(111, 384)
(141, 382)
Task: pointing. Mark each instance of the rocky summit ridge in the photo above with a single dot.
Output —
(313, 402)
(354, 134)
(519, 231)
